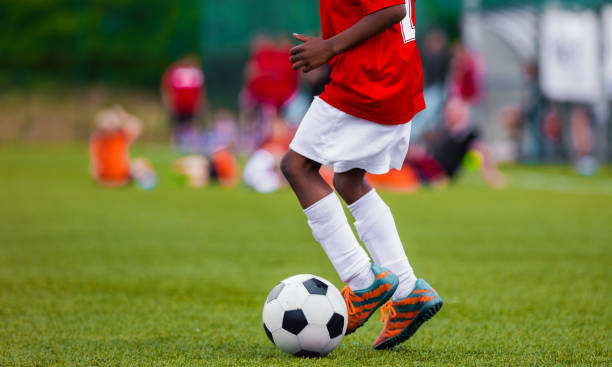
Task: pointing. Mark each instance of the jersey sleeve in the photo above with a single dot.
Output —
(371, 6)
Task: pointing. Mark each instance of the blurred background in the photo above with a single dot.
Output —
(536, 76)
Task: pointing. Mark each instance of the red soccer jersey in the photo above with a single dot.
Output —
(273, 80)
(380, 80)
(184, 86)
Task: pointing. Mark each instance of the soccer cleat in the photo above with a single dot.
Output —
(404, 317)
(361, 304)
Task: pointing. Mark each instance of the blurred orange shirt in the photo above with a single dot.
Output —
(110, 158)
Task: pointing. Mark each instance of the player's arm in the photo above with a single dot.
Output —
(315, 52)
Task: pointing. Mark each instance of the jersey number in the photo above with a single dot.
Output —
(408, 27)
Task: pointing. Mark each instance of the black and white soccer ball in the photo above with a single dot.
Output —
(305, 315)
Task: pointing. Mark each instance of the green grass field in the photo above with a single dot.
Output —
(178, 277)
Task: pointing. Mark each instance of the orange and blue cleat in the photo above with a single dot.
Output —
(404, 317)
(361, 304)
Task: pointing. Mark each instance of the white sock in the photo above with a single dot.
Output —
(376, 228)
(331, 229)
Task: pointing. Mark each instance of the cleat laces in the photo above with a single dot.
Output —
(347, 294)
(387, 312)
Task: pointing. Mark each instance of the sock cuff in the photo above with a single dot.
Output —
(326, 217)
(367, 204)
(320, 209)
(354, 207)
(370, 211)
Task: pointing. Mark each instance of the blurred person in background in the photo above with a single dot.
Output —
(552, 134)
(436, 62)
(465, 75)
(262, 171)
(581, 125)
(312, 84)
(222, 133)
(568, 133)
(109, 150)
(184, 96)
(530, 144)
(523, 122)
(270, 83)
(198, 170)
(446, 149)
(443, 154)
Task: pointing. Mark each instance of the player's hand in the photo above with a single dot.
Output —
(311, 54)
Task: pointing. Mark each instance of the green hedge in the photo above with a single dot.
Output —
(91, 40)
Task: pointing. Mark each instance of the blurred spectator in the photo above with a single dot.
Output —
(465, 75)
(114, 132)
(199, 170)
(523, 122)
(184, 97)
(445, 152)
(552, 134)
(270, 83)
(262, 171)
(530, 148)
(222, 134)
(436, 60)
(582, 141)
(568, 133)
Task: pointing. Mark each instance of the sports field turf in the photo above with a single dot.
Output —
(178, 277)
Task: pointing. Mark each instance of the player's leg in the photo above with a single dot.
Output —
(303, 176)
(415, 301)
(327, 219)
(363, 301)
(376, 227)
(322, 137)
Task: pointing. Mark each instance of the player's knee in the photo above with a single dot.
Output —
(294, 166)
(290, 166)
(340, 183)
(350, 184)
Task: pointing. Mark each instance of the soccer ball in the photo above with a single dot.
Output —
(305, 315)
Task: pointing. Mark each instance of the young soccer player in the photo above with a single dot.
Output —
(360, 124)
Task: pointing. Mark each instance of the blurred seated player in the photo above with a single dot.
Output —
(262, 171)
(109, 149)
(184, 97)
(199, 170)
(270, 83)
(442, 157)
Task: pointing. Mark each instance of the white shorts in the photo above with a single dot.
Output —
(332, 137)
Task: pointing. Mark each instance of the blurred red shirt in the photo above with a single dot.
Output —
(183, 86)
(380, 80)
(465, 77)
(271, 79)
